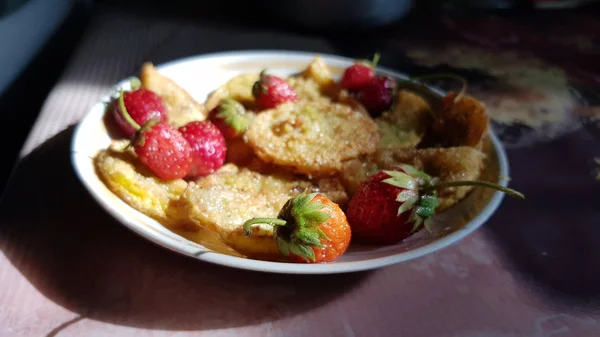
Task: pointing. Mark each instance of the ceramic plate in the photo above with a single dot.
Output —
(199, 76)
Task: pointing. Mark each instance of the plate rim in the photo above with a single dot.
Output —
(225, 260)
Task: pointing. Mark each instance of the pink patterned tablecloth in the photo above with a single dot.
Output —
(68, 269)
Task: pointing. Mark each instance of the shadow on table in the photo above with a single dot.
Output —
(552, 238)
(81, 258)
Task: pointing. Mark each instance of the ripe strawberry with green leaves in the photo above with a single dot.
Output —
(270, 91)
(310, 228)
(163, 150)
(141, 105)
(230, 117)
(394, 204)
(208, 147)
(359, 74)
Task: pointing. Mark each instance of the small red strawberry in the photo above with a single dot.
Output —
(208, 147)
(163, 150)
(308, 229)
(359, 74)
(270, 91)
(140, 105)
(392, 205)
(230, 118)
(377, 95)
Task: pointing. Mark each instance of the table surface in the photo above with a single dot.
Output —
(69, 269)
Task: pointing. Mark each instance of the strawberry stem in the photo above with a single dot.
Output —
(125, 113)
(376, 58)
(266, 221)
(463, 90)
(259, 87)
(497, 187)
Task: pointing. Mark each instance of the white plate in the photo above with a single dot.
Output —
(202, 74)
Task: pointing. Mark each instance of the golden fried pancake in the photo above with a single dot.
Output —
(342, 96)
(446, 164)
(126, 177)
(319, 72)
(405, 124)
(239, 153)
(461, 123)
(307, 89)
(182, 107)
(223, 201)
(312, 137)
(315, 82)
(355, 171)
(238, 88)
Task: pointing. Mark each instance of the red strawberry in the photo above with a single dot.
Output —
(309, 229)
(163, 150)
(392, 205)
(229, 118)
(359, 74)
(377, 95)
(140, 105)
(208, 147)
(270, 91)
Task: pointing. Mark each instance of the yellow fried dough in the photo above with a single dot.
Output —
(238, 88)
(315, 83)
(342, 96)
(239, 153)
(312, 138)
(319, 72)
(334, 190)
(405, 124)
(224, 200)
(355, 171)
(126, 177)
(182, 108)
(446, 164)
(307, 89)
(461, 123)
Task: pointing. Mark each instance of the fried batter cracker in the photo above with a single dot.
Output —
(315, 83)
(126, 177)
(461, 123)
(446, 164)
(307, 89)
(182, 108)
(223, 201)
(405, 124)
(312, 137)
(238, 88)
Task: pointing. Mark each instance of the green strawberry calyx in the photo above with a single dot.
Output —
(421, 205)
(419, 193)
(232, 112)
(260, 87)
(296, 228)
